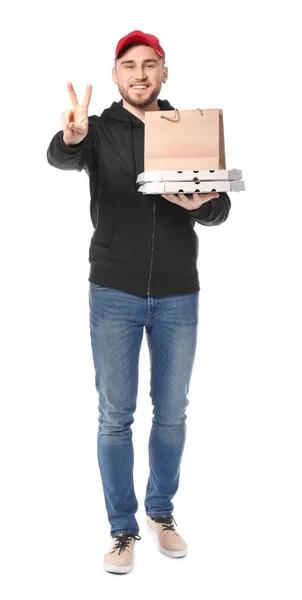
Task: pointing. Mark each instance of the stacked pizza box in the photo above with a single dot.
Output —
(189, 182)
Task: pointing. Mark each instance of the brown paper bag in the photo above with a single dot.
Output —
(184, 140)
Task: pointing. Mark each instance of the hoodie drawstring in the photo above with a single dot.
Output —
(134, 163)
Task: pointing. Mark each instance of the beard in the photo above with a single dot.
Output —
(139, 99)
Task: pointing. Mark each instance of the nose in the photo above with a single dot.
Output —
(140, 74)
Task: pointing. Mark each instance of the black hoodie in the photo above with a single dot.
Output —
(142, 244)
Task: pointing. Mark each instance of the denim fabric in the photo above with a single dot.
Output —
(117, 322)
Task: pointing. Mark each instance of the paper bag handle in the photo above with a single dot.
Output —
(177, 111)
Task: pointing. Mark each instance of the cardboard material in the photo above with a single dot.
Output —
(189, 187)
(184, 139)
(210, 175)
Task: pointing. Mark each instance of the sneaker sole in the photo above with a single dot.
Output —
(171, 553)
(116, 568)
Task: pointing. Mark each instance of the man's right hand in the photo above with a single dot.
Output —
(74, 120)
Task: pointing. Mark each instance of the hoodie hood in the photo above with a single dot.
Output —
(117, 112)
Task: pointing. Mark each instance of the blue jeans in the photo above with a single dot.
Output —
(117, 321)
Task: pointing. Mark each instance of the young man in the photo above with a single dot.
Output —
(143, 275)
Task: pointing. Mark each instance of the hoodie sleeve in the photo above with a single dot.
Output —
(213, 212)
(74, 157)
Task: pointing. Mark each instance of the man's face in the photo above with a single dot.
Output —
(140, 64)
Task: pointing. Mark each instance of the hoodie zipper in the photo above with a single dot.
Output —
(154, 206)
(153, 230)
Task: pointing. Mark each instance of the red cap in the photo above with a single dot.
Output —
(144, 38)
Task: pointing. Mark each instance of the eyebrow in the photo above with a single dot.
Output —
(124, 62)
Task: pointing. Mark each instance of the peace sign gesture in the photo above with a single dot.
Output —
(74, 120)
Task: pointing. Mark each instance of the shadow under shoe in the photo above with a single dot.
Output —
(119, 558)
(169, 540)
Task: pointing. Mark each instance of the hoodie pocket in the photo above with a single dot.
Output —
(129, 247)
(176, 251)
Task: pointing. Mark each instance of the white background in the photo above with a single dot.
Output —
(239, 502)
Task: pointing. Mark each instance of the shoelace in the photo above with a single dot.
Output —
(123, 540)
(166, 522)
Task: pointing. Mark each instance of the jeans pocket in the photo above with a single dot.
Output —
(96, 286)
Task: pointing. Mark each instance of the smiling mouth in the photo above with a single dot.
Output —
(134, 87)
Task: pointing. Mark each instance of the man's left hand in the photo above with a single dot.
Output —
(192, 201)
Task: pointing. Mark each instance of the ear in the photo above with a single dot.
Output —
(114, 75)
